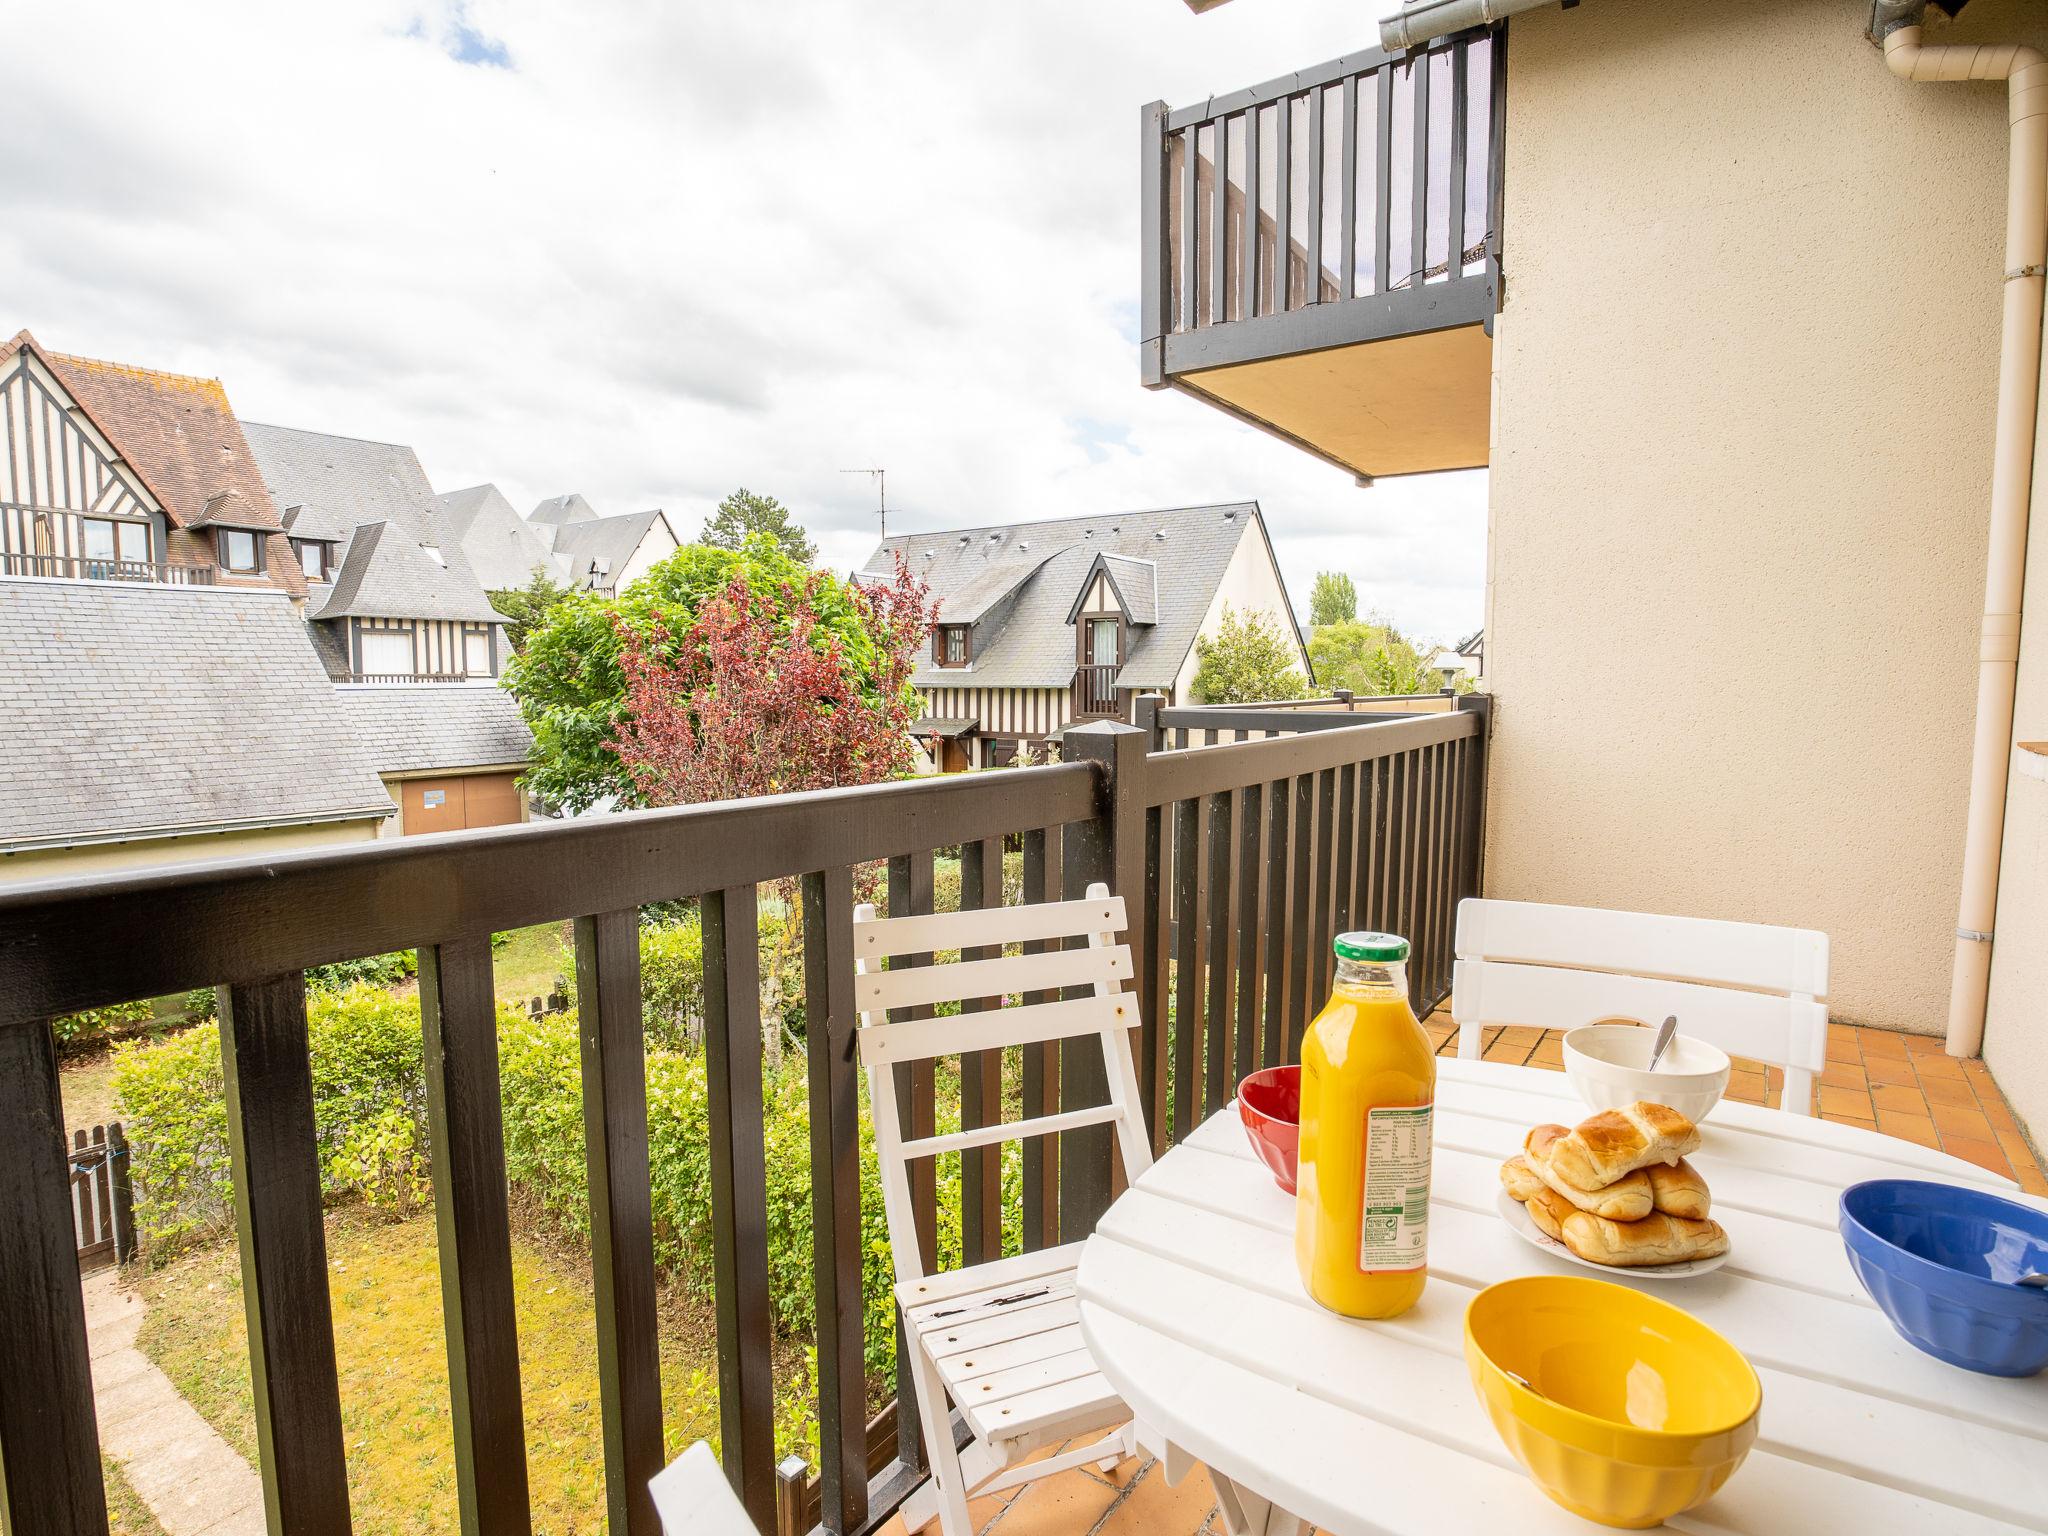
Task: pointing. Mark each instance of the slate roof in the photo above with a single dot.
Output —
(1027, 642)
(389, 574)
(102, 742)
(610, 539)
(429, 727)
(571, 508)
(501, 546)
(1135, 583)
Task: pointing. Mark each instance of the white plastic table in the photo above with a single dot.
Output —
(1190, 1301)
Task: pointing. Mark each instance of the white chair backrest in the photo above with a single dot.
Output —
(1105, 1012)
(692, 1497)
(1753, 990)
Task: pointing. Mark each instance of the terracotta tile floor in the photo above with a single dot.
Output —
(1903, 1085)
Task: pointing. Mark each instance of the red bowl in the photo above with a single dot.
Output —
(1269, 1104)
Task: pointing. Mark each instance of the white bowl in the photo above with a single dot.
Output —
(1605, 1064)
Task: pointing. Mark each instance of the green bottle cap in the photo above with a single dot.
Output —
(1373, 948)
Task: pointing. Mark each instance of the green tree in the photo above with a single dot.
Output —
(743, 514)
(572, 689)
(1332, 600)
(1248, 661)
(1371, 657)
(528, 606)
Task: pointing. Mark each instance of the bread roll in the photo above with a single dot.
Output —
(1656, 1239)
(1616, 1142)
(1519, 1178)
(1628, 1198)
(1679, 1190)
(1548, 1209)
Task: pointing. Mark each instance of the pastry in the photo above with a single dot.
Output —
(1656, 1239)
(1678, 1190)
(1627, 1198)
(1617, 1142)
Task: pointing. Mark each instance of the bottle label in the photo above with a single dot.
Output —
(1394, 1231)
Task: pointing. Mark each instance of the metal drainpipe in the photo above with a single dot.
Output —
(1419, 23)
(2019, 398)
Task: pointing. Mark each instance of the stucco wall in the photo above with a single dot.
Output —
(112, 858)
(1251, 584)
(1744, 392)
(2016, 1026)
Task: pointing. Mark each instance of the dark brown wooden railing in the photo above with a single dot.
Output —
(412, 677)
(1095, 694)
(92, 568)
(1242, 861)
(1349, 202)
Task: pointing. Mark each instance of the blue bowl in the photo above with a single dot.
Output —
(1941, 1262)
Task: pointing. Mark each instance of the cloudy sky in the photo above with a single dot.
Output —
(651, 251)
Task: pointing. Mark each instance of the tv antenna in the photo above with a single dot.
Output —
(881, 478)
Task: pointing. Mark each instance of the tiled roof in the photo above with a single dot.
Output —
(501, 546)
(1026, 642)
(387, 574)
(571, 508)
(143, 709)
(421, 727)
(611, 540)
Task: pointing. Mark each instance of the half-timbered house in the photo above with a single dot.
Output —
(1043, 624)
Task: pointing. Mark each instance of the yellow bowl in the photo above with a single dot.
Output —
(1632, 1410)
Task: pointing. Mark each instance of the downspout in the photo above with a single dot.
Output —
(1421, 20)
(2019, 396)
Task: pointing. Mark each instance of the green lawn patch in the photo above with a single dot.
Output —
(127, 1515)
(384, 1280)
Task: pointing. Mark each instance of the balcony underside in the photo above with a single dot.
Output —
(1401, 406)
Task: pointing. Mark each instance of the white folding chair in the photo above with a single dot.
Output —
(999, 1339)
(692, 1497)
(1751, 989)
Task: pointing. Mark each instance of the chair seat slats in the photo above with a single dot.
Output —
(918, 1295)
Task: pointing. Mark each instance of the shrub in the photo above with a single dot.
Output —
(79, 1031)
(200, 1003)
(380, 970)
(672, 980)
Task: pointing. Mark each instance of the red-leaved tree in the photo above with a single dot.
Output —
(757, 697)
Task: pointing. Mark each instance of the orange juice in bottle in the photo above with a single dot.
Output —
(1368, 1081)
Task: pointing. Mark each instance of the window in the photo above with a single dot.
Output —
(952, 645)
(476, 652)
(387, 651)
(316, 558)
(106, 539)
(1001, 754)
(1102, 641)
(239, 551)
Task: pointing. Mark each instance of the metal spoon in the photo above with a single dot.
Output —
(2038, 1282)
(1525, 1383)
(1664, 1033)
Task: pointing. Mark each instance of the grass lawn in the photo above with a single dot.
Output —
(384, 1278)
(87, 1083)
(531, 960)
(127, 1515)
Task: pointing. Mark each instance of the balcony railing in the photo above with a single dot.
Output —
(1095, 693)
(1350, 202)
(96, 568)
(1240, 861)
(413, 677)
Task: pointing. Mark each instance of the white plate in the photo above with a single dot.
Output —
(1524, 1226)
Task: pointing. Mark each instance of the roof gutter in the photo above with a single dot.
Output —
(200, 829)
(1419, 23)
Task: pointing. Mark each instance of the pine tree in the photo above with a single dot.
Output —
(743, 514)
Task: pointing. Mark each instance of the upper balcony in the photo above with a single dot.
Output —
(1378, 176)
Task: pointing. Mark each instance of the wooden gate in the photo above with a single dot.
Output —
(102, 1202)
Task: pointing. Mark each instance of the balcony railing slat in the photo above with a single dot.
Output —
(459, 1025)
(1347, 276)
(1281, 921)
(1300, 1003)
(1312, 279)
(1347, 846)
(981, 1075)
(835, 1195)
(1249, 242)
(1155, 978)
(1219, 241)
(275, 1160)
(1418, 179)
(1187, 979)
(1324, 959)
(1190, 222)
(910, 894)
(621, 1212)
(1221, 882)
(1251, 864)
(1041, 1085)
(49, 1444)
(1459, 98)
(731, 927)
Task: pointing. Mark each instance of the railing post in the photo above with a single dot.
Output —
(49, 1445)
(123, 1192)
(1110, 848)
(1471, 881)
(1145, 715)
(1153, 287)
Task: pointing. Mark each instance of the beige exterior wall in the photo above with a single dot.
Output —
(2016, 1026)
(1251, 584)
(1744, 392)
(119, 858)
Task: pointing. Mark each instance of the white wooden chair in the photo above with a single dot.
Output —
(999, 1339)
(692, 1497)
(1751, 989)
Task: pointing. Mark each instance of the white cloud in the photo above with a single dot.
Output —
(653, 251)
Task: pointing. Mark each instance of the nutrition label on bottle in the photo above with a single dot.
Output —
(1394, 1233)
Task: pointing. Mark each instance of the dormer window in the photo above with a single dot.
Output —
(951, 645)
(316, 558)
(240, 551)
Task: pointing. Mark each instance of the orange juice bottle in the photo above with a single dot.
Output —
(1368, 1081)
